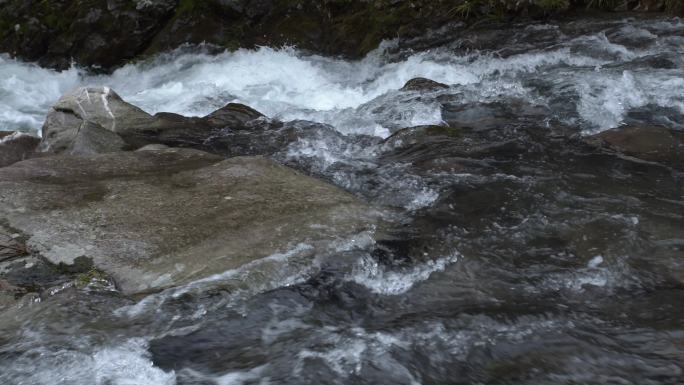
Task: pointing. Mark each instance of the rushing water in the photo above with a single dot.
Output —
(595, 80)
(517, 257)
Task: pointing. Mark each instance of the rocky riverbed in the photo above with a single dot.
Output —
(503, 206)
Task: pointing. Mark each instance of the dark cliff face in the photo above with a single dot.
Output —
(97, 33)
(104, 34)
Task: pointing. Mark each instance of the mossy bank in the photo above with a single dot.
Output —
(104, 34)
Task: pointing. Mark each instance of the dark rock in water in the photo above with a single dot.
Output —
(168, 128)
(159, 218)
(425, 146)
(486, 116)
(423, 84)
(73, 311)
(97, 120)
(413, 135)
(16, 146)
(651, 143)
(90, 120)
(101, 33)
(233, 116)
(266, 137)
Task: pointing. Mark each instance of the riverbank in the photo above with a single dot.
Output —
(104, 35)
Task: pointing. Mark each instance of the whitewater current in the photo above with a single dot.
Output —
(601, 77)
(512, 259)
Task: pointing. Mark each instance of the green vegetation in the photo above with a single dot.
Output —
(674, 7)
(91, 277)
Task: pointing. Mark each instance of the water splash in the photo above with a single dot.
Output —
(382, 280)
(123, 364)
(601, 75)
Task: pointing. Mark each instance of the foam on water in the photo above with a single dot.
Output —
(356, 96)
(382, 280)
(27, 91)
(253, 376)
(125, 364)
(351, 351)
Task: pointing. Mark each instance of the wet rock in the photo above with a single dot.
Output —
(89, 120)
(413, 135)
(170, 129)
(153, 147)
(266, 137)
(651, 143)
(73, 311)
(233, 115)
(423, 85)
(160, 218)
(16, 146)
(33, 274)
(487, 116)
(454, 147)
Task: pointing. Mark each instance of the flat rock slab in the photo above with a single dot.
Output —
(161, 218)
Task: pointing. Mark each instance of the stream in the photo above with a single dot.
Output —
(517, 254)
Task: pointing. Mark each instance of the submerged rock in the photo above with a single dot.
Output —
(16, 146)
(651, 143)
(159, 218)
(232, 115)
(423, 84)
(492, 115)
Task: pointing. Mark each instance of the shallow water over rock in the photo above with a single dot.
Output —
(520, 250)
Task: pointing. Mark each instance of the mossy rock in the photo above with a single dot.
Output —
(94, 280)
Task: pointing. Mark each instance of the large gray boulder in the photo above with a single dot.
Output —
(90, 120)
(159, 218)
(90, 114)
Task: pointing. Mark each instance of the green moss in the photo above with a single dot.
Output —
(91, 277)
